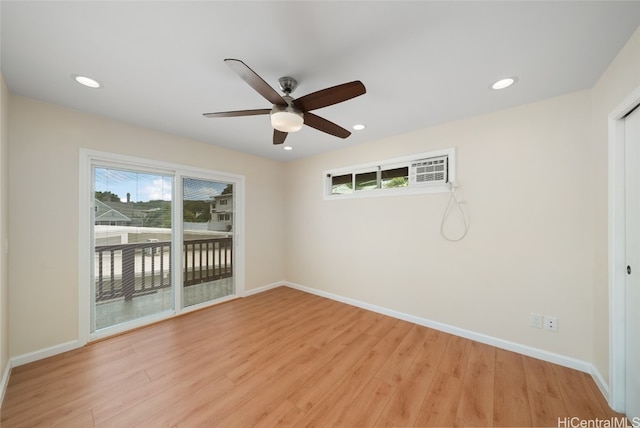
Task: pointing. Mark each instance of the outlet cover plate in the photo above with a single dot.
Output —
(550, 323)
(535, 320)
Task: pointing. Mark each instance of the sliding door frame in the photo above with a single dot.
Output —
(90, 158)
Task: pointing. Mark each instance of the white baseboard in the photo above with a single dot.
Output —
(603, 386)
(529, 351)
(5, 381)
(44, 353)
(264, 288)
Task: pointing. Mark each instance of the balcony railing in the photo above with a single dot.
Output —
(130, 270)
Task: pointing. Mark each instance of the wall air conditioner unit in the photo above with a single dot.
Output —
(429, 172)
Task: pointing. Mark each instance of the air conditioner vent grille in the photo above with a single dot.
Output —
(429, 171)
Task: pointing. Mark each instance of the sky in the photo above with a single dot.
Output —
(144, 186)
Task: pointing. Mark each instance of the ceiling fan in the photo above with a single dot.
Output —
(289, 114)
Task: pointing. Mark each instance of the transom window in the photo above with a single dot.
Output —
(430, 172)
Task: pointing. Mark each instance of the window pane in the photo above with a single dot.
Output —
(132, 255)
(341, 184)
(396, 177)
(208, 241)
(367, 180)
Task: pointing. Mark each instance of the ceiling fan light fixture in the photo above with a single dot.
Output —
(286, 119)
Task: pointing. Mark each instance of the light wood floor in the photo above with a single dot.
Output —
(287, 358)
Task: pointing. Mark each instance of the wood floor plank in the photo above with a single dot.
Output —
(284, 415)
(454, 362)
(476, 399)
(239, 403)
(592, 390)
(287, 336)
(350, 325)
(288, 358)
(268, 395)
(511, 402)
(544, 393)
(366, 409)
(324, 378)
(51, 380)
(66, 406)
(82, 420)
(161, 400)
(577, 398)
(181, 407)
(75, 387)
(405, 404)
(339, 398)
(440, 405)
(397, 366)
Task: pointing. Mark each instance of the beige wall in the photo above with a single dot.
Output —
(620, 80)
(45, 140)
(525, 177)
(4, 228)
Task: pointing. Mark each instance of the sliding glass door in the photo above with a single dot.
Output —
(207, 235)
(132, 235)
(161, 239)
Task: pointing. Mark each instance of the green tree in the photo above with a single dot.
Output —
(160, 216)
(397, 182)
(196, 211)
(107, 196)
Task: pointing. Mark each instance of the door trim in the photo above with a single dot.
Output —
(617, 256)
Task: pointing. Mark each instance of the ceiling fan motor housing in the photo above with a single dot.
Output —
(288, 84)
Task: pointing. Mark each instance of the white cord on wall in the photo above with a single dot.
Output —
(458, 203)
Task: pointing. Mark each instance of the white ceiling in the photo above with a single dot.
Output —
(423, 63)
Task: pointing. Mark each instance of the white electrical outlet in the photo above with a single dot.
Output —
(535, 320)
(550, 323)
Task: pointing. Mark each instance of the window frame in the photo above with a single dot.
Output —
(88, 160)
(387, 164)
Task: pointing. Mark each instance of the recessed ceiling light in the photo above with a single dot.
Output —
(288, 148)
(359, 127)
(86, 81)
(504, 83)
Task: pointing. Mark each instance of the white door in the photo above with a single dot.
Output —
(632, 312)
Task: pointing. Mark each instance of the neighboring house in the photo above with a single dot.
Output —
(109, 216)
(118, 213)
(221, 210)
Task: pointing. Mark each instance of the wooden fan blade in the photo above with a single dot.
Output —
(324, 125)
(255, 81)
(238, 113)
(330, 96)
(279, 136)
